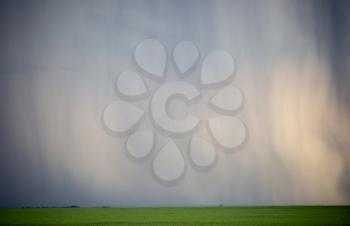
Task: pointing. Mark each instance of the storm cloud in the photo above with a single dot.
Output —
(58, 65)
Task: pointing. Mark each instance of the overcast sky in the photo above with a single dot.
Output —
(58, 64)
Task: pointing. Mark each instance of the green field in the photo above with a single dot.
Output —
(289, 215)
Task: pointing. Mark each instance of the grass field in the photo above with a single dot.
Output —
(289, 215)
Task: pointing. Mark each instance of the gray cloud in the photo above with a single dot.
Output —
(58, 64)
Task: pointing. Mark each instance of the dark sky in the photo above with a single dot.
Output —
(58, 64)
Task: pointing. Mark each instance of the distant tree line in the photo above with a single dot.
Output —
(69, 206)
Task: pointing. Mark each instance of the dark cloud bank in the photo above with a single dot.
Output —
(58, 63)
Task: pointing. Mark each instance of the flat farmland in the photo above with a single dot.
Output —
(274, 215)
